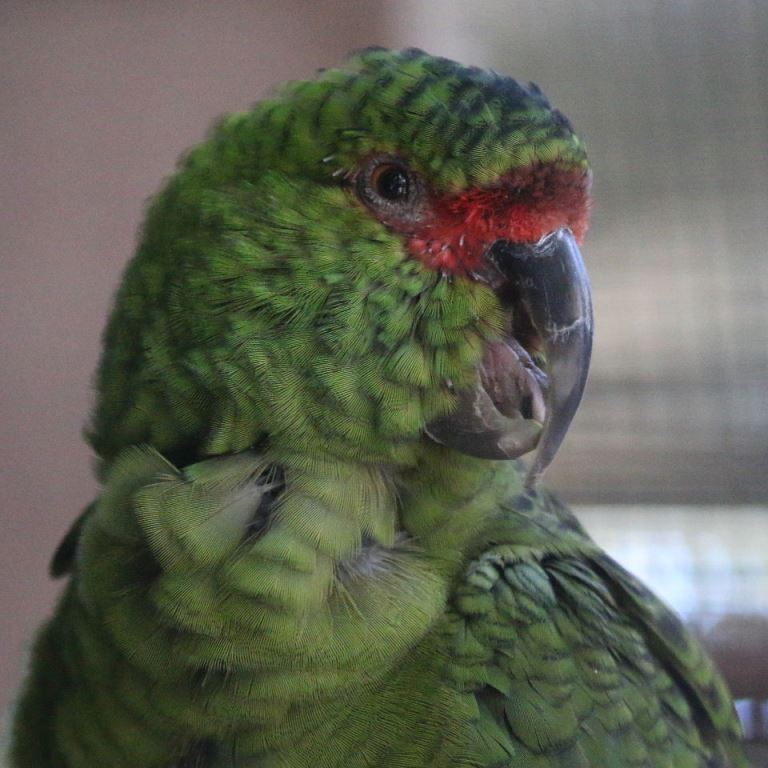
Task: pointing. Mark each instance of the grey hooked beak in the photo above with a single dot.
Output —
(550, 280)
(515, 406)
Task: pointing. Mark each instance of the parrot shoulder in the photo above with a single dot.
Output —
(573, 662)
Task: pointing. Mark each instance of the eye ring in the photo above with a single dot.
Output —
(391, 189)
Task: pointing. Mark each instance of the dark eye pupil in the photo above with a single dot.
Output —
(392, 184)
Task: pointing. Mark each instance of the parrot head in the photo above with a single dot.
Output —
(378, 259)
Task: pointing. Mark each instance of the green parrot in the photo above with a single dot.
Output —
(351, 310)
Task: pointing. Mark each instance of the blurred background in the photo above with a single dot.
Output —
(668, 457)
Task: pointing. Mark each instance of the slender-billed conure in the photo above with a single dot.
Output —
(352, 308)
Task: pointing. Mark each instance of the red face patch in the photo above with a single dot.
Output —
(523, 207)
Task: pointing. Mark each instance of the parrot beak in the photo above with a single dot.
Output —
(516, 406)
(549, 281)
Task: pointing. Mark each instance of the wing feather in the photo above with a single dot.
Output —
(574, 662)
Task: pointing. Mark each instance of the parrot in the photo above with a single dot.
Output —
(352, 310)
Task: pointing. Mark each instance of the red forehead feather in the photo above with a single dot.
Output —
(523, 207)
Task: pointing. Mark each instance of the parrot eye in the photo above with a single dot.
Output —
(390, 182)
(389, 188)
